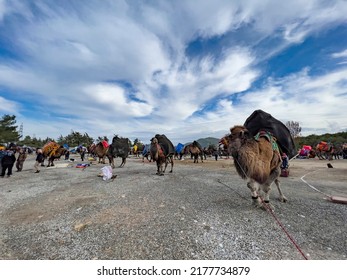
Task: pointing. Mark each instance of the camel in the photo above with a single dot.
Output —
(162, 151)
(101, 151)
(223, 146)
(196, 150)
(91, 150)
(324, 150)
(119, 148)
(257, 159)
(52, 151)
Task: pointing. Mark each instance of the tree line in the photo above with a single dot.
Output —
(9, 133)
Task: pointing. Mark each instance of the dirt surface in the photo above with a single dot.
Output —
(200, 211)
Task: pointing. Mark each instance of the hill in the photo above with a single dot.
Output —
(205, 142)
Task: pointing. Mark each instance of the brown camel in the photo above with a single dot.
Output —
(196, 150)
(257, 159)
(324, 150)
(162, 151)
(101, 152)
(52, 151)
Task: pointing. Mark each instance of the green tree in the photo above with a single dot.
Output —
(75, 138)
(8, 130)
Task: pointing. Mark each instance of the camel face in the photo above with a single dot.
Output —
(162, 151)
(237, 137)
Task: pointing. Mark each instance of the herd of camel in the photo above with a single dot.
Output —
(255, 160)
(257, 148)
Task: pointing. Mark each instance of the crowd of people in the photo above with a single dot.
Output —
(9, 159)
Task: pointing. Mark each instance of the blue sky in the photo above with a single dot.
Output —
(185, 68)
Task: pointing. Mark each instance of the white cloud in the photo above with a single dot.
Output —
(113, 99)
(340, 54)
(121, 67)
(2, 9)
(8, 106)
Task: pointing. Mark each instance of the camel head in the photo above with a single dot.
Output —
(154, 140)
(237, 137)
(154, 149)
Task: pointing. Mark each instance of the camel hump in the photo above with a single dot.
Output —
(165, 142)
(120, 146)
(260, 120)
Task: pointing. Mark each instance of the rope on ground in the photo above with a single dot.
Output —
(220, 182)
(276, 219)
(282, 227)
(274, 216)
(312, 187)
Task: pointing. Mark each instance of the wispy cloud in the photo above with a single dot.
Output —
(340, 54)
(122, 67)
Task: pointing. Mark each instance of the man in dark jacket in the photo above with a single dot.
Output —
(39, 160)
(7, 162)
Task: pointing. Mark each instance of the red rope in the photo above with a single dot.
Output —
(283, 228)
(277, 220)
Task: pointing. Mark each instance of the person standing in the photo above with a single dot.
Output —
(82, 152)
(67, 155)
(7, 163)
(20, 160)
(39, 160)
(215, 154)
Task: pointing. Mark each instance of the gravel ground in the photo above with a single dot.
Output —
(200, 211)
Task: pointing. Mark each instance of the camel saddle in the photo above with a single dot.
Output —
(269, 137)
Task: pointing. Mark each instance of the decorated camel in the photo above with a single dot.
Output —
(324, 150)
(162, 151)
(257, 160)
(255, 148)
(52, 151)
(100, 150)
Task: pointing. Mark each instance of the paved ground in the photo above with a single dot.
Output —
(200, 211)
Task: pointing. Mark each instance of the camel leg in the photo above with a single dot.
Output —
(266, 188)
(274, 178)
(172, 164)
(254, 187)
(111, 161)
(160, 168)
(166, 163)
(282, 197)
(161, 172)
(123, 162)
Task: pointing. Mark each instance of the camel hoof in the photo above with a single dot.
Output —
(171, 171)
(283, 199)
